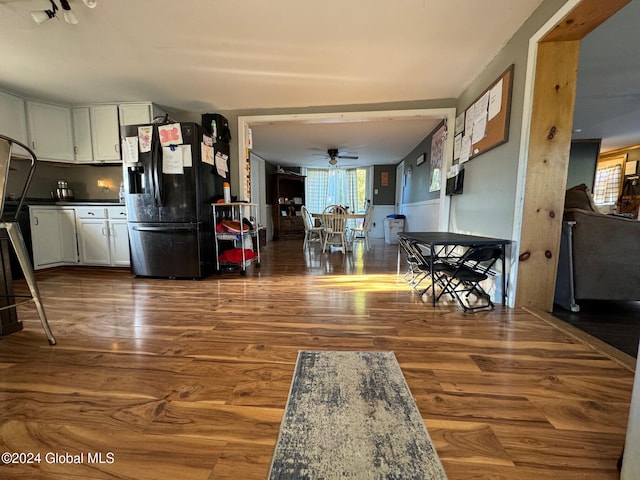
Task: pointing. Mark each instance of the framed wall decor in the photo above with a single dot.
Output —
(420, 159)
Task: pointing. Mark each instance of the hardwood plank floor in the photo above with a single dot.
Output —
(616, 323)
(189, 379)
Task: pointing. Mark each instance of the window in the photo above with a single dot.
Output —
(336, 186)
(607, 185)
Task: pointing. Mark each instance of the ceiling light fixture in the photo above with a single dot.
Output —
(68, 15)
(41, 16)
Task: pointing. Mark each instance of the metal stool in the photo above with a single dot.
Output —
(13, 229)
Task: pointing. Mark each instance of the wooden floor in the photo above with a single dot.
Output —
(616, 323)
(188, 379)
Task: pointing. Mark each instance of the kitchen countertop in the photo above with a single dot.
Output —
(68, 203)
(71, 203)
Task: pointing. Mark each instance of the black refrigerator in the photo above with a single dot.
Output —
(169, 214)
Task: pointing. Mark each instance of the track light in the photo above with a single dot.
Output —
(68, 15)
(41, 16)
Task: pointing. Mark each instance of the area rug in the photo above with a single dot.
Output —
(350, 415)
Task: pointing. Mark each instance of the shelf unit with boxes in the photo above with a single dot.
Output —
(237, 245)
(288, 199)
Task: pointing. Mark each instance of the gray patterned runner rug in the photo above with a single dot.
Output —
(350, 415)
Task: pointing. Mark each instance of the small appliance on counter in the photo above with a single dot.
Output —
(63, 192)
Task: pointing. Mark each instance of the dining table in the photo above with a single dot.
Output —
(439, 243)
(349, 216)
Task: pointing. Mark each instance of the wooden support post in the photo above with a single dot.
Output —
(549, 145)
(548, 160)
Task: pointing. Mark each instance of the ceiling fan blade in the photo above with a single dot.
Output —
(350, 157)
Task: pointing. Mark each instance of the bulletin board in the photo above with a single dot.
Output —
(485, 123)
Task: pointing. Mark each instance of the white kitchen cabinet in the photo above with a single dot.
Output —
(83, 150)
(103, 237)
(50, 131)
(68, 234)
(119, 237)
(93, 235)
(138, 113)
(105, 134)
(13, 120)
(53, 235)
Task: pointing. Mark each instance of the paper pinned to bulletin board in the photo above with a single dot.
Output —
(486, 120)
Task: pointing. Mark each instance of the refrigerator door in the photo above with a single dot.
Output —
(139, 185)
(178, 194)
(153, 196)
(167, 250)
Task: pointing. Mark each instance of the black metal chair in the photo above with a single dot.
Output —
(462, 278)
(13, 228)
(420, 267)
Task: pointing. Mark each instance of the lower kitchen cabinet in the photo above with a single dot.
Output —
(103, 238)
(53, 234)
(93, 236)
(80, 235)
(119, 238)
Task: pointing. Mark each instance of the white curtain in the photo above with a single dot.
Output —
(334, 186)
(316, 186)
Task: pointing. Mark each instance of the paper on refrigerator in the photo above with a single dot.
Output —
(172, 161)
(145, 135)
(221, 164)
(187, 159)
(130, 150)
(170, 134)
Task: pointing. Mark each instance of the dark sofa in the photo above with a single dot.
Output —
(599, 254)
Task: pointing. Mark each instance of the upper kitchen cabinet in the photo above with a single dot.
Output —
(138, 113)
(50, 131)
(82, 148)
(105, 135)
(13, 120)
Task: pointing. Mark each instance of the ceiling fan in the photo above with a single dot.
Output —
(334, 155)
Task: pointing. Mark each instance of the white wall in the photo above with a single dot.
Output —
(421, 216)
(380, 212)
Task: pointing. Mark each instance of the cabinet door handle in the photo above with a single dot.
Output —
(91, 213)
(75, 150)
(36, 221)
(105, 231)
(117, 148)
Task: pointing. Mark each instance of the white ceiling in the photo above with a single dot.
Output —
(214, 55)
(375, 141)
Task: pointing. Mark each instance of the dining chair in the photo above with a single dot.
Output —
(334, 221)
(13, 228)
(464, 276)
(311, 232)
(362, 231)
